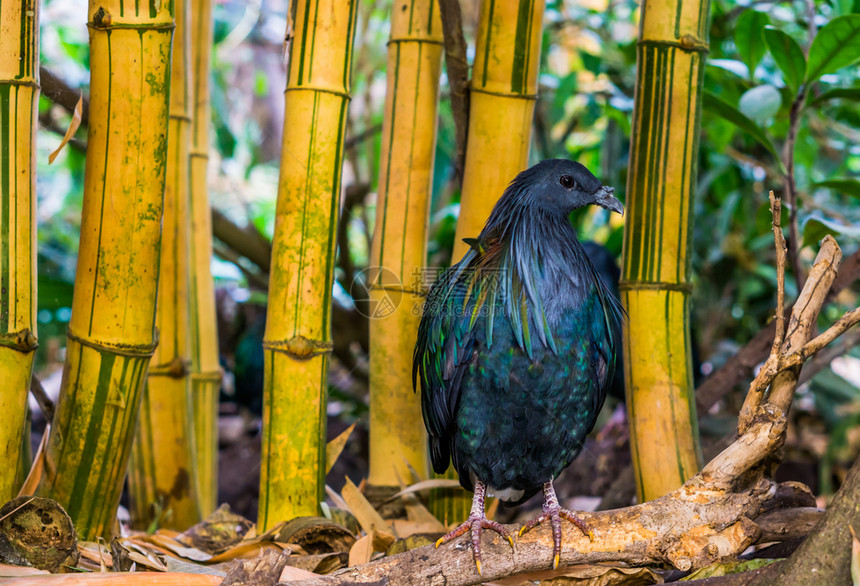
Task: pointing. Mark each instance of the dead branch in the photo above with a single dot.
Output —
(741, 365)
(247, 241)
(58, 91)
(777, 373)
(785, 524)
(458, 76)
(714, 515)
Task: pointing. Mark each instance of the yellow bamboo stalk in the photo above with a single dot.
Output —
(503, 91)
(297, 340)
(399, 243)
(205, 369)
(162, 475)
(19, 95)
(502, 102)
(111, 334)
(656, 267)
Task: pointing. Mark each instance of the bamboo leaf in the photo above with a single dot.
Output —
(367, 516)
(334, 448)
(761, 103)
(749, 38)
(844, 185)
(844, 93)
(725, 110)
(835, 46)
(71, 130)
(788, 56)
(362, 551)
(427, 485)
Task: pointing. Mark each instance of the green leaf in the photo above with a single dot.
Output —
(845, 185)
(836, 45)
(725, 110)
(761, 103)
(749, 38)
(788, 56)
(846, 93)
(814, 230)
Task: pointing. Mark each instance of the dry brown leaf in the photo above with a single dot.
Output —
(405, 528)
(146, 561)
(244, 551)
(425, 520)
(362, 551)
(73, 128)
(367, 516)
(427, 485)
(171, 544)
(96, 552)
(334, 448)
(382, 540)
(336, 498)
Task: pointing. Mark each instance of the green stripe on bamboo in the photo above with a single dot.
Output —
(656, 266)
(111, 333)
(205, 369)
(297, 340)
(163, 484)
(398, 442)
(19, 96)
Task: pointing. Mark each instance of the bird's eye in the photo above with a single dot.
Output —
(567, 181)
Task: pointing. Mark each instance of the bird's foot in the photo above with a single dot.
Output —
(553, 511)
(476, 522)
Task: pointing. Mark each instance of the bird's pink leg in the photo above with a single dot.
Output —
(475, 523)
(553, 511)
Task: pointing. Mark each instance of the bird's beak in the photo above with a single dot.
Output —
(605, 199)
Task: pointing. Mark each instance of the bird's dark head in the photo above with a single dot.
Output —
(559, 186)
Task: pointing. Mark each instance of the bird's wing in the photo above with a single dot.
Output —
(453, 312)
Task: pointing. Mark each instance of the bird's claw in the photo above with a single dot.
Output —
(475, 524)
(555, 515)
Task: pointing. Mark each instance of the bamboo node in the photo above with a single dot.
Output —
(626, 285)
(176, 368)
(299, 347)
(212, 376)
(23, 341)
(687, 43)
(320, 89)
(513, 95)
(131, 350)
(425, 40)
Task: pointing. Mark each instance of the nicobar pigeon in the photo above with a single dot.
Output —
(516, 348)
